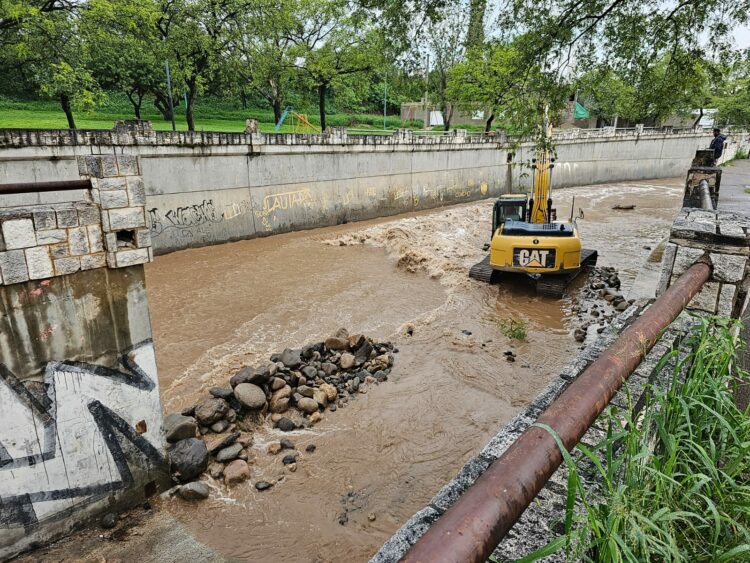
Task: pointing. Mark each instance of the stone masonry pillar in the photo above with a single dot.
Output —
(80, 416)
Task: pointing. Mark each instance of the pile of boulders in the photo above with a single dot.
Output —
(292, 391)
(603, 284)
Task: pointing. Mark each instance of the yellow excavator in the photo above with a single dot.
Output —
(527, 238)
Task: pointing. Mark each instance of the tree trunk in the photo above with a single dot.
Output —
(322, 105)
(700, 116)
(162, 104)
(192, 90)
(277, 108)
(448, 116)
(136, 103)
(488, 125)
(65, 103)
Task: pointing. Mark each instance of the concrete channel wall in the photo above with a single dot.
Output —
(209, 188)
(80, 415)
(722, 238)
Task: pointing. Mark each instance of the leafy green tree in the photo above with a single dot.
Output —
(475, 31)
(264, 47)
(333, 43)
(732, 96)
(446, 42)
(198, 35)
(129, 54)
(500, 80)
(44, 41)
(15, 13)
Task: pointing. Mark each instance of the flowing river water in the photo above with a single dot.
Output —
(217, 309)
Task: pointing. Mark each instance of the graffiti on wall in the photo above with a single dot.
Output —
(184, 217)
(195, 220)
(283, 201)
(76, 438)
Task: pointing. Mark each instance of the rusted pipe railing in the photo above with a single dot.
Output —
(33, 187)
(472, 528)
(705, 194)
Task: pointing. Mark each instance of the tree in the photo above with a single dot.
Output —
(332, 43)
(198, 35)
(263, 49)
(499, 79)
(622, 33)
(446, 45)
(475, 31)
(732, 96)
(129, 55)
(44, 41)
(16, 13)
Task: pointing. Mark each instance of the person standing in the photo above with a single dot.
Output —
(717, 144)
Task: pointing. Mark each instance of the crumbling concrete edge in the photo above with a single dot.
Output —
(406, 536)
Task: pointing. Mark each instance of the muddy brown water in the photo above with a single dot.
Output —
(215, 310)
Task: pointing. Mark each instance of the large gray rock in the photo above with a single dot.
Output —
(194, 491)
(255, 376)
(178, 427)
(229, 453)
(291, 358)
(250, 396)
(307, 405)
(211, 410)
(329, 368)
(188, 459)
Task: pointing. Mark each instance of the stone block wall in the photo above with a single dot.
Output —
(720, 237)
(111, 230)
(80, 415)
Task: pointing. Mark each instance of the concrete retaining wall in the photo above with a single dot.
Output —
(208, 188)
(80, 416)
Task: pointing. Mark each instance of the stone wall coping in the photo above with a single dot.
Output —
(143, 135)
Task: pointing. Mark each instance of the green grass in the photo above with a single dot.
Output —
(513, 329)
(747, 190)
(675, 483)
(209, 116)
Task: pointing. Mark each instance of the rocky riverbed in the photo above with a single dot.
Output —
(292, 390)
(598, 303)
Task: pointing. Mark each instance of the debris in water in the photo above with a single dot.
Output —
(623, 207)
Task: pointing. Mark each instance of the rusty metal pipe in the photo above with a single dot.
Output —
(472, 528)
(33, 187)
(705, 194)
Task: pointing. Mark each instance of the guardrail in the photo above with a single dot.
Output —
(476, 523)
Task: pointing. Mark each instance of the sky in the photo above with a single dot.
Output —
(742, 35)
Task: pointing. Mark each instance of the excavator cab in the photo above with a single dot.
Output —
(508, 207)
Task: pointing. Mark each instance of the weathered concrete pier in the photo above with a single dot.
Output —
(81, 417)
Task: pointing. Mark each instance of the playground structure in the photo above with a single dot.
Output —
(299, 121)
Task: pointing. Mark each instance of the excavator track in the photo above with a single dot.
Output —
(549, 285)
(554, 286)
(482, 271)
